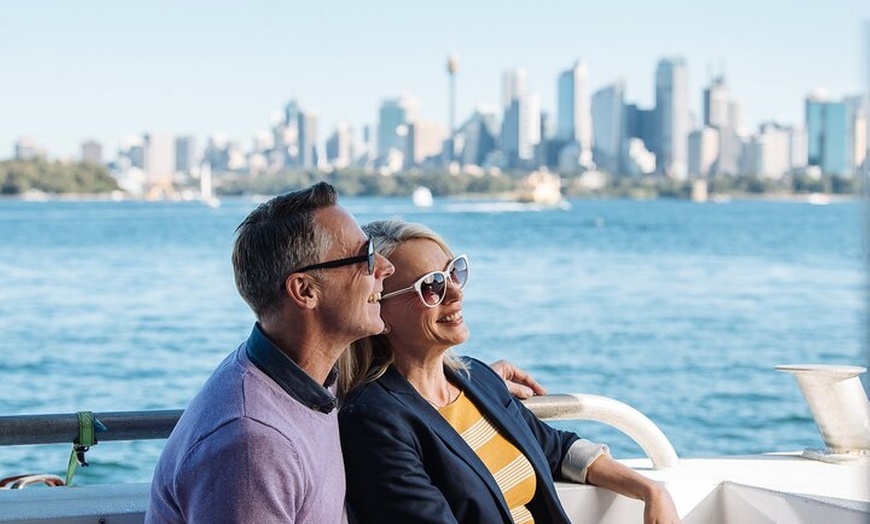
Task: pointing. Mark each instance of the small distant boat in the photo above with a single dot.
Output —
(818, 199)
(205, 187)
(422, 197)
(542, 188)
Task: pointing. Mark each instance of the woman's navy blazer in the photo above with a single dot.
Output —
(405, 463)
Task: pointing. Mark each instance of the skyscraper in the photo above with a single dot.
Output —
(722, 114)
(828, 126)
(452, 67)
(159, 152)
(672, 117)
(339, 146)
(521, 124)
(308, 140)
(393, 118)
(608, 120)
(513, 86)
(573, 118)
(521, 130)
(185, 153)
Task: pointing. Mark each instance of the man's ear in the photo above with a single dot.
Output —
(302, 290)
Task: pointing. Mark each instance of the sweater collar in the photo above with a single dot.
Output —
(287, 374)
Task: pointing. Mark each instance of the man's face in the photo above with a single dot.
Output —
(349, 294)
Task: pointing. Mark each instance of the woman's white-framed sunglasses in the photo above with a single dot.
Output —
(432, 287)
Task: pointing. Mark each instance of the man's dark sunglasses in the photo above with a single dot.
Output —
(369, 258)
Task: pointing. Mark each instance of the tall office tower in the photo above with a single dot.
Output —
(159, 153)
(478, 136)
(829, 134)
(185, 154)
(672, 117)
(288, 142)
(574, 119)
(307, 140)
(339, 146)
(92, 152)
(640, 123)
(393, 119)
(452, 67)
(703, 151)
(521, 130)
(716, 104)
(722, 114)
(608, 120)
(513, 86)
(217, 153)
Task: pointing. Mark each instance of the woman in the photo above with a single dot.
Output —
(428, 437)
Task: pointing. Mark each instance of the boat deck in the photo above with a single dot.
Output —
(782, 487)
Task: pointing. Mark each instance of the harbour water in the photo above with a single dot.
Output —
(679, 309)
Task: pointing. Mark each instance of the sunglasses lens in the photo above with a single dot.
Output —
(432, 288)
(371, 259)
(459, 272)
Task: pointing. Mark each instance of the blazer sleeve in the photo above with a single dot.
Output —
(554, 443)
(379, 446)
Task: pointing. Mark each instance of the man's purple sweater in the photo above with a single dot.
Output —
(253, 447)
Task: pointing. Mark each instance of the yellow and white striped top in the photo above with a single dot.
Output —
(512, 470)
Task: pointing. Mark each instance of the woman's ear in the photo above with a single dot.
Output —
(302, 290)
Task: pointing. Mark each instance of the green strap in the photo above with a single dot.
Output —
(85, 440)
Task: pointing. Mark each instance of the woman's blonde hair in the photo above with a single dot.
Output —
(368, 359)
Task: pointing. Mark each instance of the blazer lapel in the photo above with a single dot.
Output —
(405, 393)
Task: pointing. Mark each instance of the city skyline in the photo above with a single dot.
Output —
(78, 71)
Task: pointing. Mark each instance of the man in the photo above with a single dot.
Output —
(259, 442)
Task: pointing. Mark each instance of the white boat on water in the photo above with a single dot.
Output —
(422, 197)
(206, 190)
(827, 486)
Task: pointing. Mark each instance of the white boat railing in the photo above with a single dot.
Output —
(636, 425)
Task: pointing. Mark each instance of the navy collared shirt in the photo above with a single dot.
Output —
(287, 374)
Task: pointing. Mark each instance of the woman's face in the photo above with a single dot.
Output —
(412, 326)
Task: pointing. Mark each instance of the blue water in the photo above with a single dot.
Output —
(681, 310)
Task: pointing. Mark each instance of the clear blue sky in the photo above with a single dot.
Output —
(74, 70)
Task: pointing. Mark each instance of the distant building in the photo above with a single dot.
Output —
(768, 153)
(573, 117)
(513, 86)
(641, 124)
(339, 146)
(608, 119)
(703, 151)
(26, 148)
(478, 137)
(831, 133)
(92, 152)
(308, 158)
(424, 140)
(185, 154)
(521, 130)
(723, 115)
(672, 117)
(393, 118)
(159, 153)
